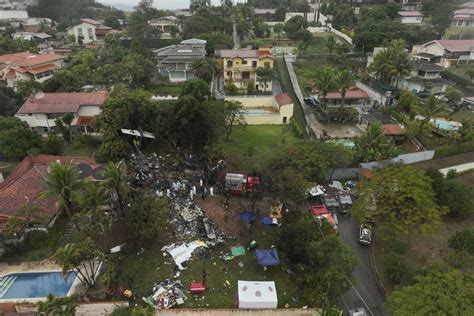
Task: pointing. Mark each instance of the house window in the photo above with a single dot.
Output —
(90, 32)
(246, 75)
(45, 129)
(244, 62)
(229, 74)
(254, 64)
(266, 64)
(229, 63)
(79, 32)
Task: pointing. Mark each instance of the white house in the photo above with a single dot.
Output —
(28, 66)
(89, 31)
(165, 25)
(41, 110)
(423, 74)
(411, 17)
(446, 53)
(11, 15)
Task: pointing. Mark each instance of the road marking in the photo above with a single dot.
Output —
(358, 294)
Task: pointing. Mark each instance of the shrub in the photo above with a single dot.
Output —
(52, 145)
(398, 247)
(230, 88)
(460, 80)
(395, 267)
(463, 241)
(454, 149)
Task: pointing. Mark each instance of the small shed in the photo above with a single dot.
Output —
(257, 294)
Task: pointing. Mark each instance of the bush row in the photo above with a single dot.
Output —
(454, 149)
(458, 79)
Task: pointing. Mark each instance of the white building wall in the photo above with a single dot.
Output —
(412, 20)
(87, 38)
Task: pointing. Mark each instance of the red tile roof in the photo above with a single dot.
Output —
(283, 99)
(392, 129)
(85, 120)
(26, 59)
(64, 102)
(42, 68)
(26, 182)
(91, 21)
(457, 45)
(351, 94)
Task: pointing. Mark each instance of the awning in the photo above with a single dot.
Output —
(85, 120)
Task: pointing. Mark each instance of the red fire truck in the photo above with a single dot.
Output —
(240, 184)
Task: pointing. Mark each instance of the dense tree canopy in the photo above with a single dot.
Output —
(435, 292)
(147, 214)
(16, 138)
(400, 200)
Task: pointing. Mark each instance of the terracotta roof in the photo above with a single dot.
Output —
(392, 129)
(283, 99)
(351, 94)
(457, 45)
(26, 182)
(11, 74)
(410, 13)
(26, 59)
(91, 21)
(42, 68)
(64, 102)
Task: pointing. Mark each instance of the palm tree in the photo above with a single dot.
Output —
(430, 108)
(331, 43)
(58, 306)
(344, 81)
(116, 183)
(63, 184)
(325, 82)
(278, 28)
(381, 65)
(265, 74)
(92, 196)
(400, 65)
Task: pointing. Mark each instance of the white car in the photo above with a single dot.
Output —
(365, 234)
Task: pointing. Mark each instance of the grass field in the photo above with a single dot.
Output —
(78, 150)
(463, 116)
(141, 271)
(252, 147)
(166, 89)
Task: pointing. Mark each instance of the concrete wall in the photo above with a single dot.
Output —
(405, 159)
(233, 312)
(253, 101)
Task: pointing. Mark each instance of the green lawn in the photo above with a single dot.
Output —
(252, 147)
(7, 167)
(173, 89)
(140, 272)
(78, 149)
(463, 116)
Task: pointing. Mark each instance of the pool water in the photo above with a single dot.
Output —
(256, 112)
(445, 125)
(35, 285)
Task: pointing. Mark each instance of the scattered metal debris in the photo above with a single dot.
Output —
(166, 294)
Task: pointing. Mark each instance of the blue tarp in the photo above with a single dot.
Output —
(266, 220)
(247, 216)
(267, 257)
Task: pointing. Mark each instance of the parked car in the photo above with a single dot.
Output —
(331, 202)
(345, 201)
(365, 234)
(311, 101)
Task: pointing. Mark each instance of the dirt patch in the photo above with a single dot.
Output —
(446, 161)
(213, 207)
(468, 178)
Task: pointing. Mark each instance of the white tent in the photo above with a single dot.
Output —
(257, 294)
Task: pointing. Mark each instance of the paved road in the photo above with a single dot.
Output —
(365, 291)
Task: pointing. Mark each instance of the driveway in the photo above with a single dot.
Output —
(365, 291)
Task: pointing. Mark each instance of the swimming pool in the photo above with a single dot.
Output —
(446, 125)
(256, 112)
(35, 285)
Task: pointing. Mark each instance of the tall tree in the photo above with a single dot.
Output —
(16, 138)
(265, 75)
(205, 68)
(325, 82)
(430, 108)
(331, 43)
(232, 116)
(345, 81)
(83, 257)
(400, 200)
(147, 215)
(63, 184)
(116, 184)
(435, 292)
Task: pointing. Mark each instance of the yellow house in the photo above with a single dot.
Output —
(240, 67)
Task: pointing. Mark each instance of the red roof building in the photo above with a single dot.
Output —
(28, 66)
(27, 182)
(40, 110)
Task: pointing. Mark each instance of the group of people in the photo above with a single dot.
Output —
(179, 187)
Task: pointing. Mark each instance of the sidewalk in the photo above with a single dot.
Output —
(458, 168)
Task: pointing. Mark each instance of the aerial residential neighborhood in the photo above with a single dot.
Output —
(264, 157)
